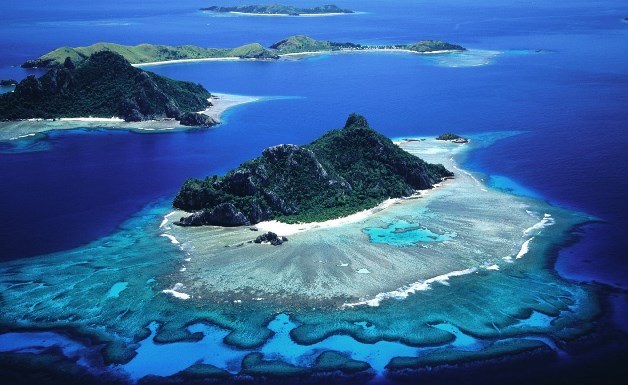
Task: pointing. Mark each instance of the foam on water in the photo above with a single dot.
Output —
(543, 223)
(525, 247)
(405, 291)
(176, 292)
(174, 240)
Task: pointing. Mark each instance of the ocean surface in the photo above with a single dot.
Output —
(556, 71)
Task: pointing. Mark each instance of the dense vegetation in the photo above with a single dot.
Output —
(302, 43)
(276, 9)
(343, 172)
(103, 85)
(448, 136)
(434, 45)
(147, 53)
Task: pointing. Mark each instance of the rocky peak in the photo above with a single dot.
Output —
(356, 120)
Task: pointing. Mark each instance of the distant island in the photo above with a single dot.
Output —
(105, 85)
(8, 82)
(277, 9)
(299, 44)
(452, 138)
(344, 171)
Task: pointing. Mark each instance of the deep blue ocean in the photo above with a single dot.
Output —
(558, 72)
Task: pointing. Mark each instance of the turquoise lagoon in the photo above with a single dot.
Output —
(106, 294)
(402, 233)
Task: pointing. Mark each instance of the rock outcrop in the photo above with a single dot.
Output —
(271, 238)
(224, 214)
(197, 119)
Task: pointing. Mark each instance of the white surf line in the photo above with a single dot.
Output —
(405, 291)
(174, 240)
(525, 247)
(176, 293)
(543, 223)
(165, 220)
(470, 175)
(22, 136)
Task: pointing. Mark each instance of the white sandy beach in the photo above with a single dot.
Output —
(285, 229)
(340, 259)
(223, 102)
(11, 131)
(288, 55)
(164, 62)
(369, 50)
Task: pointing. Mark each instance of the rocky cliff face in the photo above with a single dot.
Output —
(104, 85)
(342, 172)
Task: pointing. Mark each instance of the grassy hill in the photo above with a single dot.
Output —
(147, 53)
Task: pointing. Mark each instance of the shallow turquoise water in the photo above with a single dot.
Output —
(66, 189)
(405, 234)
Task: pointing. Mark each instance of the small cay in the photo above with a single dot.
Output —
(341, 173)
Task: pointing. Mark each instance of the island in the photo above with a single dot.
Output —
(277, 9)
(150, 54)
(105, 85)
(343, 172)
(448, 136)
(8, 82)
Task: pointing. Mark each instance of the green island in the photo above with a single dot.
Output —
(452, 137)
(105, 85)
(343, 172)
(151, 53)
(277, 9)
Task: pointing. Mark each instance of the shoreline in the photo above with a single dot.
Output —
(179, 293)
(284, 14)
(21, 129)
(294, 54)
(350, 254)
(178, 61)
(282, 228)
(224, 102)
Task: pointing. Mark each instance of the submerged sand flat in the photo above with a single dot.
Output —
(459, 226)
